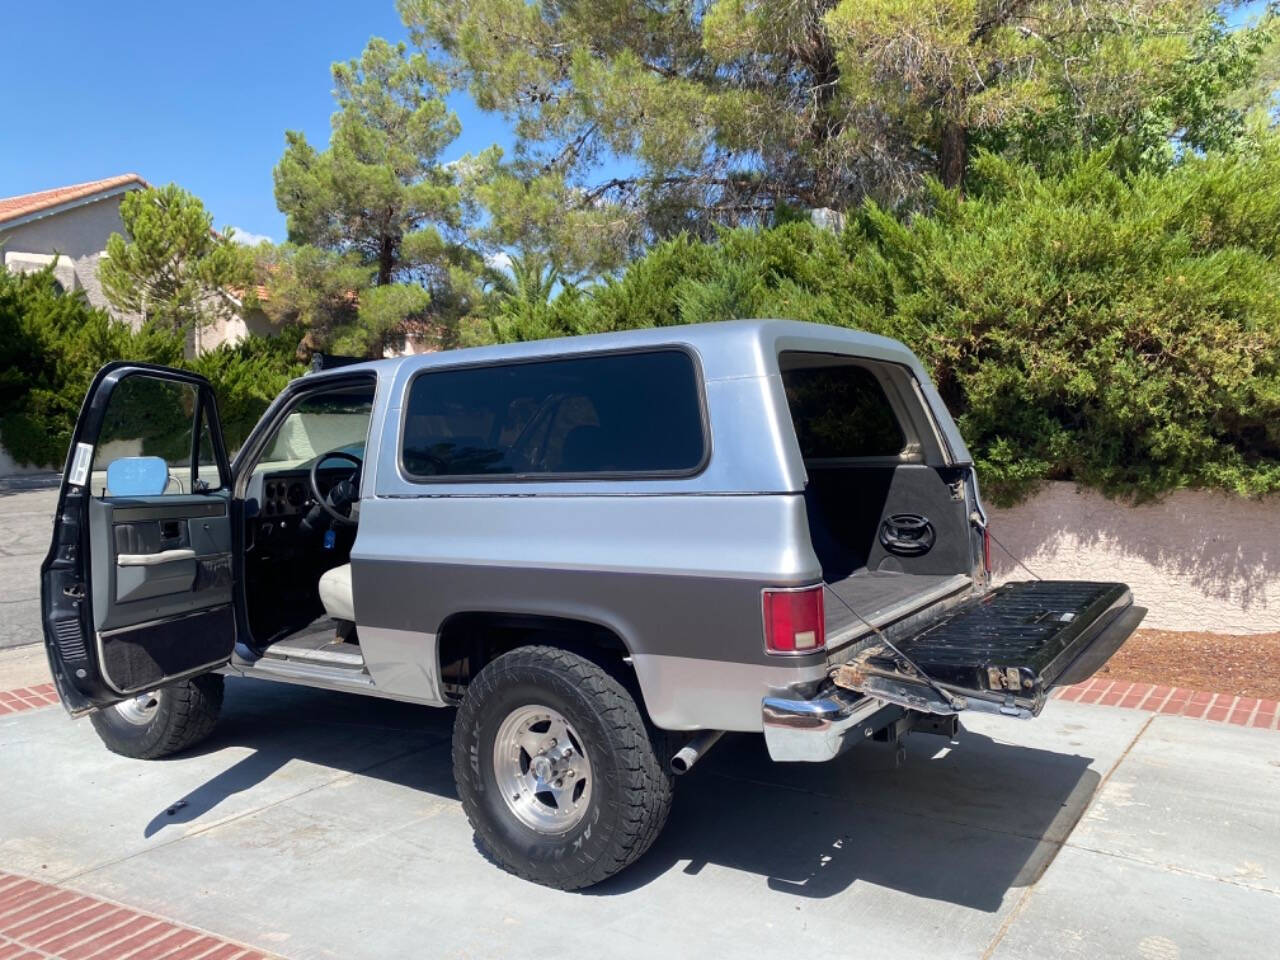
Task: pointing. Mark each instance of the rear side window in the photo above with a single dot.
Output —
(840, 411)
(625, 413)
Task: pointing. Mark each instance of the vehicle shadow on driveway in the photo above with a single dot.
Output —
(959, 822)
(282, 723)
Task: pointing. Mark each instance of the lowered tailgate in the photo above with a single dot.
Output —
(1002, 652)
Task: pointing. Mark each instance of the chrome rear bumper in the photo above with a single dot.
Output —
(819, 729)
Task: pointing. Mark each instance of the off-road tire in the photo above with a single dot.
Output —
(185, 714)
(631, 788)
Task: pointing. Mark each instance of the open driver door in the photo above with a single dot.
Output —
(136, 590)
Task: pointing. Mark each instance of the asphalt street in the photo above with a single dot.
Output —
(26, 524)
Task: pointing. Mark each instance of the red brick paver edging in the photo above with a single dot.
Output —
(1176, 701)
(1173, 701)
(27, 698)
(39, 921)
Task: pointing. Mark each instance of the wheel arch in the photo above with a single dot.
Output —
(468, 640)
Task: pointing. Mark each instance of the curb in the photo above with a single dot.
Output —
(1176, 702)
(42, 921)
(17, 482)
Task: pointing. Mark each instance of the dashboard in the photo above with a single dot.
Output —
(278, 494)
(284, 494)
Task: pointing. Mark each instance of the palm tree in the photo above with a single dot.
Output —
(530, 279)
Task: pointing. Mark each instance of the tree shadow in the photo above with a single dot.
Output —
(1209, 538)
(959, 822)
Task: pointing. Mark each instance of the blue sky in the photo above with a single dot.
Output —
(196, 93)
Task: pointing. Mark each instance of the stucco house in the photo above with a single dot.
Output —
(73, 223)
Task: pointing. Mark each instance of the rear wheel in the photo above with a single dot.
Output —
(556, 769)
(162, 721)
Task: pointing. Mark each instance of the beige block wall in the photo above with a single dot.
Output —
(1198, 560)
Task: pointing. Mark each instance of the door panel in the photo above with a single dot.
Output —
(166, 557)
(144, 656)
(137, 585)
(162, 562)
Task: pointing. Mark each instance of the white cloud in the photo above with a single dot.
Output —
(247, 239)
(498, 261)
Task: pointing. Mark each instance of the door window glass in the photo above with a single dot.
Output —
(150, 421)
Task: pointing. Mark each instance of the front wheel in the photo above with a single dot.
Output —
(162, 721)
(556, 769)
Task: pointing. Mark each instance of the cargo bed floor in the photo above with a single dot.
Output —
(882, 597)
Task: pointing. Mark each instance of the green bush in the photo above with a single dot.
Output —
(1122, 331)
(51, 345)
(247, 376)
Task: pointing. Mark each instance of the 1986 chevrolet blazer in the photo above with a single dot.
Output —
(604, 551)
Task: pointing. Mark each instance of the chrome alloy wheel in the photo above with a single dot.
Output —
(139, 710)
(541, 769)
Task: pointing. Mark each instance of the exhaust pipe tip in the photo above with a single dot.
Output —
(693, 751)
(683, 760)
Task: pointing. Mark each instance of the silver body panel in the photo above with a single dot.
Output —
(673, 566)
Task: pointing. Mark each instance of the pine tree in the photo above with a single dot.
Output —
(382, 210)
(170, 267)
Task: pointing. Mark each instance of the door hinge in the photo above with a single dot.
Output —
(75, 591)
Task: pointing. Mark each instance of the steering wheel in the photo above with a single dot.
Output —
(337, 503)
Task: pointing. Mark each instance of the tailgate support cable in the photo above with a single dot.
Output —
(955, 703)
(977, 520)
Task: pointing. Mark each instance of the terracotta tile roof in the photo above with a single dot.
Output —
(11, 208)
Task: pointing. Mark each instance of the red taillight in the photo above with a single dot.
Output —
(793, 620)
(986, 551)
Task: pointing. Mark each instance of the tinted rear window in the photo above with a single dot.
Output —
(631, 413)
(840, 412)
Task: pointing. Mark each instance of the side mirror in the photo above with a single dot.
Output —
(137, 477)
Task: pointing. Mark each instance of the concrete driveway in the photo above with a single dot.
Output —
(316, 824)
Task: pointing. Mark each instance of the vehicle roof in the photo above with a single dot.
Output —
(727, 350)
(731, 347)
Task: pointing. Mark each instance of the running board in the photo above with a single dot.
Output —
(309, 674)
(326, 656)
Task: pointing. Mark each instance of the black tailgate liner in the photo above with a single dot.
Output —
(1014, 643)
(1030, 627)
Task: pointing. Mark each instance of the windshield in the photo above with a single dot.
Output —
(332, 421)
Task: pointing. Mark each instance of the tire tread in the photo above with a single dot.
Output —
(646, 786)
(187, 714)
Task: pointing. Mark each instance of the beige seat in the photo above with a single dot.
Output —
(335, 593)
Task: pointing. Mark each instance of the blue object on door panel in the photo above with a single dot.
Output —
(137, 477)
(330, 538)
